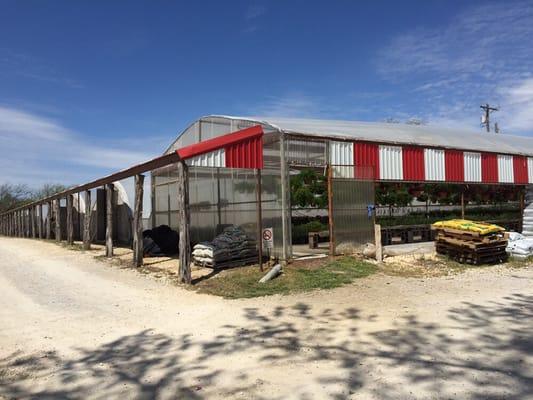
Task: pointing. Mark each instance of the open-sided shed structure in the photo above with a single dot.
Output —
(225, 170)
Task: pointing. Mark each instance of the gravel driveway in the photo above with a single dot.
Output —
(74, 327)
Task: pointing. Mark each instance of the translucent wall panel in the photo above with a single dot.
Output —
(352, 225)
(306, 152)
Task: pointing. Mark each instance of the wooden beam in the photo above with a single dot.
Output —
(87, 222)
(48, 230)
(137, 221)
(147, 166)
(109, 220)
(184, 223)
(70, 222)
(57, 220)
(40, 221)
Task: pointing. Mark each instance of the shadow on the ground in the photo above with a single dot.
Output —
(482, 351)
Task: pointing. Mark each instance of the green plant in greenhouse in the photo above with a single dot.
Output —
(309, 189)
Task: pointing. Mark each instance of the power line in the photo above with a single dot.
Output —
(485, 119)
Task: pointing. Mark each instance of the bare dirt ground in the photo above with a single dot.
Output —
(74, 327)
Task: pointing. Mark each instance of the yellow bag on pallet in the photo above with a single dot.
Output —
(481, 228)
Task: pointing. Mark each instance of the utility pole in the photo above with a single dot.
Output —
(485, 119)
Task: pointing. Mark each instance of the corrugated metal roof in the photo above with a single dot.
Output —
(426, 135)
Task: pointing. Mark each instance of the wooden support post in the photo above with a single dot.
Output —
(26, 223)
(57, 219)
(463, 203)
(286, 208)
(219, 205)
(40, 222)
(258, 198)
(70, 222)
(21, 223)
(48, 220)
(330, 212)
(183, 223)
(87, 222)
(33, 221)
(22, 217)
(379, 247)
(109, 220)
(522, 201)
(137, 221)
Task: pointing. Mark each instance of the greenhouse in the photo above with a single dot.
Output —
(232, 190)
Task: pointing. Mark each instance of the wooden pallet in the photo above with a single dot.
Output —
(469, 236)
(228, 264)
(472, 244)
(470, 256)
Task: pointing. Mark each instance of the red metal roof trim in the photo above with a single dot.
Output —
(489, 168)
(366, 160)
(245, 154)
(454, 162)
(413, 163)
(224, 141)
(520, 169)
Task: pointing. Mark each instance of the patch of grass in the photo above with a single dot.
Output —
(244, 282)
(74, 246)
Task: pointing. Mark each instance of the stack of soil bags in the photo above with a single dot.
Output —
(471, 242)
(519, 246)
(160, 241)
(232, 247)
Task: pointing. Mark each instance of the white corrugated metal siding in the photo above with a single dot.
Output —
(434, 164)
(472, 166)
(505, 168)
(341, 153)
(215, 158)
(390, 162)
(530, 169)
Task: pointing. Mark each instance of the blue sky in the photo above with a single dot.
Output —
(90, 87)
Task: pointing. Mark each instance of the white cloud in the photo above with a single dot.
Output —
(475, 58)
(14, 63)
(17, 123)
(289, 105)
(518, 103)
(251, 17)
(36, 150)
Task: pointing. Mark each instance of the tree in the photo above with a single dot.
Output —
(309, 189)
(12, 196)
(48, 189)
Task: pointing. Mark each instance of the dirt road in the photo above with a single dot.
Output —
(73, 327)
